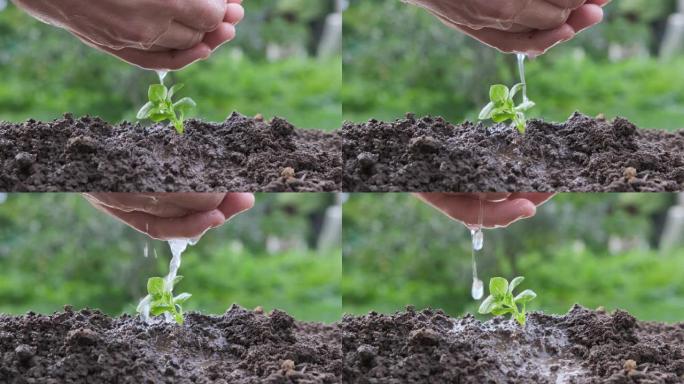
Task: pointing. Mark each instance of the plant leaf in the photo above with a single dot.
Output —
(500, 311)
(520, 318)
(156, 311)
(498, 286)
(487, 305)
(525, 296)
(177, 280)
(144, 112)
(157, 93)
(182, 298)
(498, 93)
(525, 106)
(486, 112)
(174, 90)
(514, 283)
(155, 286)
(514, 91)
(185, 105)
(179, 318)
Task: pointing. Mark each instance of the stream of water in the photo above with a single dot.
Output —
(521, 70)
(162, 75)
(178, 246)
(477, 289)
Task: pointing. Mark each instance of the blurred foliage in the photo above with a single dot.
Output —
(399, 251)
(55, 249)
(397, 59)
(46, 72)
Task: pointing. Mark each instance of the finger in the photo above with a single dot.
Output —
(533, 43)
(205, 15)
(178, 36)
(568, 4)
(600, 3)
(140, 202)
(585, 17)
(235, 203)
(187, 227)
(542, 15)
(171, 60)
(466, 210)
(234, 13)
(536, 198)
(223, 34)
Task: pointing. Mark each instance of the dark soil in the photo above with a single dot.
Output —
(580, 155)
(240, 155)
(239, 347)
(581, 347)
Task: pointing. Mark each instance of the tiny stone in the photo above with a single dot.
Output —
(601, 117)
(24, 353)
(287, 365)
(259, 310)
(410, 116)
(630, 173)
(630, 365)
(601, 309)
(259, 117)
(288, 173)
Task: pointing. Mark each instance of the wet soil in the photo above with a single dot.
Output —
(238, 347)
(241, 154)
(580, 347)
(581, 155)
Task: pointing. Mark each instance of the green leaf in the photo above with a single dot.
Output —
(182, 298)
(156, 311)
(159, 117)
(155, 286)
(498, 93)
(514, 283)
(500, 117)
(174, 90)
(157, 93)
(514, 91)
(185, 105)
(498, 287)
(179, 318)
(486, 112)
(520, 318)
(144, 112)
(500, 311)
(487, 305)
(525, 106)
(525, 296)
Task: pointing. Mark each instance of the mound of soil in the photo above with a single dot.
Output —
(580, 155)
(240, 155)
(239, 347)
(580, 347)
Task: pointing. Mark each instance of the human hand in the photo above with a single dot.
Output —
(499, 209)
(152, 34)
(166, 216)
(531, 27)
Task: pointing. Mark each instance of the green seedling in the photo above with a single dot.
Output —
(161, 106)
(502, 107)
(502, 302)
(162, 300)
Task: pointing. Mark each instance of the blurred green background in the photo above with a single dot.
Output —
(397, 59)
(56, 249)
(278, 65)
(611, 250)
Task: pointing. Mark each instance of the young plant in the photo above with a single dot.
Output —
(162, 301)
(501, 301)
(161, 107)
(502, 106)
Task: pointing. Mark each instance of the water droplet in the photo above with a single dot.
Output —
(477, 289)
(162, 75)
(478, 239)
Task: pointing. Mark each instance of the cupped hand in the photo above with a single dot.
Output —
(531, 27)
(152, 34)
(166, 216)
(499, 209)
